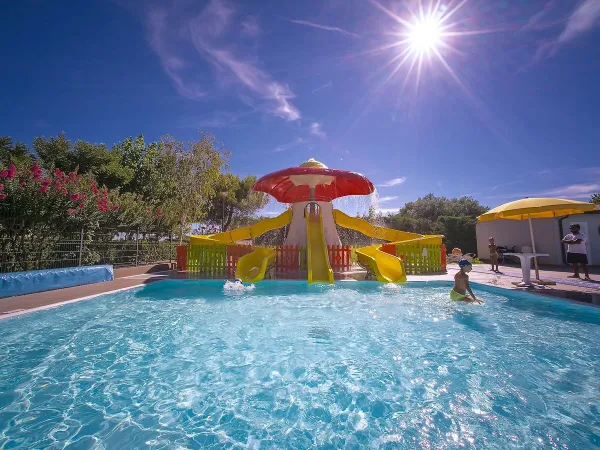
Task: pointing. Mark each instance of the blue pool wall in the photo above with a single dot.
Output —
(20, 283)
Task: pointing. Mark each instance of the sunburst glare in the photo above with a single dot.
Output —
(423, 34)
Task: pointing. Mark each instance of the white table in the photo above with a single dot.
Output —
(526, 265)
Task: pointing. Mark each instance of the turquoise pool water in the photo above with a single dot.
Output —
(184, 364)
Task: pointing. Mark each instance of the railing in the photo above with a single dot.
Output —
(340, 257)
(290, 259)
(25, 251)
(207, 260)
(182, 257)
(220, 261)
(443, 260)
(419, 258)
(235, 252)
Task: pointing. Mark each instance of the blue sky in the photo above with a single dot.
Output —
(507, 105)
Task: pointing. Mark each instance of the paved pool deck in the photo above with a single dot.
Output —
(564, 288)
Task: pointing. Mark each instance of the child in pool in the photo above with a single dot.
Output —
(461, 284)
(493, 254)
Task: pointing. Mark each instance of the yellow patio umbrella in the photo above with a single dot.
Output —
(536, 208)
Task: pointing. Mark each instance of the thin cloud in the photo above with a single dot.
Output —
(582, 19)
(387, 210)
(213, 32)
(208, 34)
(272, 97)
(594, 170)
(282, 148)
(393, 182)
(387, 198)
(217, 119)
(510, 183)
(323, 27)
(315, 130)
(325, 86)
(251, 27)
(172, 65)
(575, 191)
(540, 19)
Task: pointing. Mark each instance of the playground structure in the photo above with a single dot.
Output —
(312, 247)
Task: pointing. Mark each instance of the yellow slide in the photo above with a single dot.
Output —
(240, 234)
(387, 268)
(319, 269)
(252, 267)
(372, 231)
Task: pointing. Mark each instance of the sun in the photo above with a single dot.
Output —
(425, 35)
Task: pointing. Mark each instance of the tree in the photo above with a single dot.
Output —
(459, 232)
(149, 165)
(16, 153)
(595, 199)
(455, 218)
(84, 158)
(431, 207)
(194, 173)
(234, 202)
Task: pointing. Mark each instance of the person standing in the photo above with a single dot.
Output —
(493, 248)
(576, 251)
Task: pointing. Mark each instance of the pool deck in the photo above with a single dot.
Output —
(564, 288)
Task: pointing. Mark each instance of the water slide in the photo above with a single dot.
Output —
(372, 231)
(240, 234)
(252, 267)
(319, 269)
(387, 268)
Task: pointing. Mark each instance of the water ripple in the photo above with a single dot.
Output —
(286, 365)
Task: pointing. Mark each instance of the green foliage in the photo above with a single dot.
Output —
(234, 202)
(194, 171)
(459, 232)
(147, 164)
(164, 185)
(17, 153)
(431, 207)
(455, 218)
(85, 158)
(595, 199)
(33, 199)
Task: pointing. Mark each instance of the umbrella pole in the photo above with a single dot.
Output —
(537, 270)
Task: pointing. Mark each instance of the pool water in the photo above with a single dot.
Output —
(185, 364)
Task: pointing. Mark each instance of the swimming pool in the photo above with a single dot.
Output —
(185, 364)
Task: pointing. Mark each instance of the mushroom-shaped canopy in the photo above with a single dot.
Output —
(294, 184)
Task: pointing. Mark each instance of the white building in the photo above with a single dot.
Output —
(548, 234)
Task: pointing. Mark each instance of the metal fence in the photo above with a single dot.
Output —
(35, 250)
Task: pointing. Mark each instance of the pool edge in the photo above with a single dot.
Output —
(65, 302)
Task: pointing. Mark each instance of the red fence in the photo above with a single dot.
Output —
(182, 257)
(389, 248)
(290, 258)
(339, 257)
(235, 252)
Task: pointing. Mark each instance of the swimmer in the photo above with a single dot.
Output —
(237, 280)
(461, 284)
